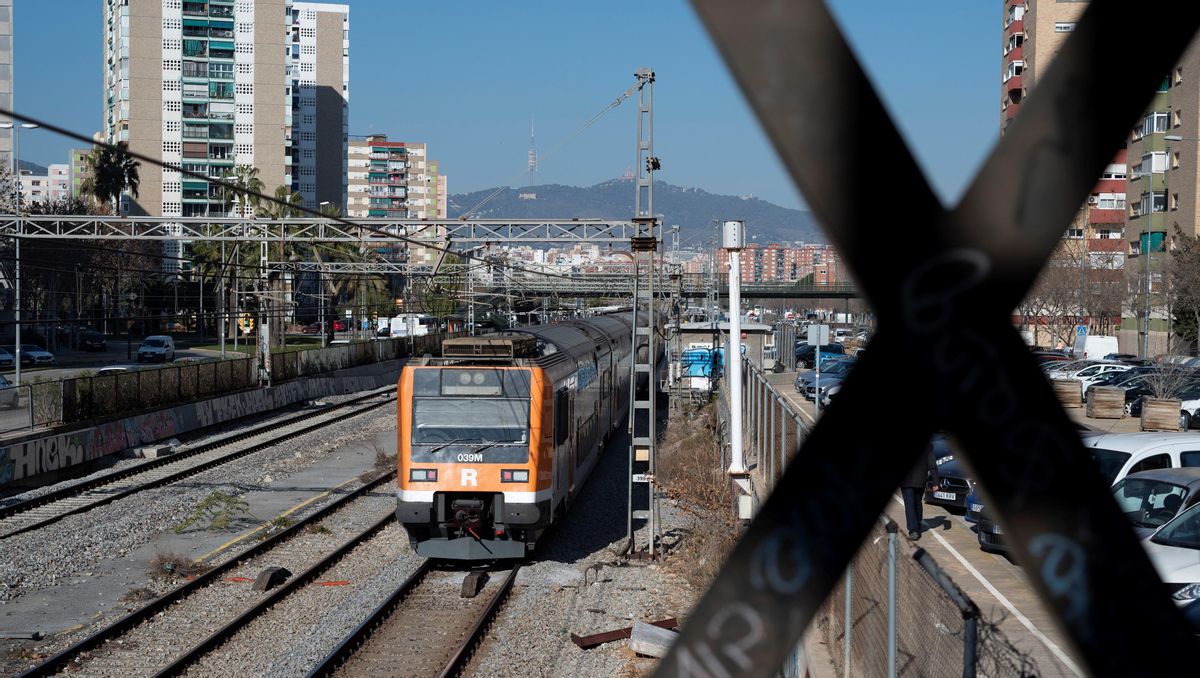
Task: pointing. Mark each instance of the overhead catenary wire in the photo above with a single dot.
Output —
(557, 146)
(51, 127)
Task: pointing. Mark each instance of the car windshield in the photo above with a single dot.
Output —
(1147, 502)
(1110, 462)
(1183, 531)
(837, 367)
(29, 348)
(154, 343)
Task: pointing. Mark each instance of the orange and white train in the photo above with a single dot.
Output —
(497, 437)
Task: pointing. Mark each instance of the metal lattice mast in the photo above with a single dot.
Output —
(644, 363)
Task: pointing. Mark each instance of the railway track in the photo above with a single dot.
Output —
(143, 642)
(49, 508)
(423, 629)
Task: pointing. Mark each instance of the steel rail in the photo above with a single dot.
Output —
(129, 621)
(467, 649)
(125, 474)
(218, 637)
(361, 635)
(363, 631)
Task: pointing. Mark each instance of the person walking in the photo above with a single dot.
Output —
(912, 490)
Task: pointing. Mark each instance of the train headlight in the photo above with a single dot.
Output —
(422, 475)
(514, 476)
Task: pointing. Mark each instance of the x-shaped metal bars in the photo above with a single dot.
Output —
(942, 285)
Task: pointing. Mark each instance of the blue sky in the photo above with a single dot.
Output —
(467, 77)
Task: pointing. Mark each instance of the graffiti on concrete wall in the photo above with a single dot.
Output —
(31, 457)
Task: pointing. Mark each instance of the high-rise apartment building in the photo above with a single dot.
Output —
(58, 178)
(6, 78)
(390, 179)
(320, 80)
(1033, 32)
(207, 85)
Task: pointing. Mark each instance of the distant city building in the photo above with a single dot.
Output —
(58, 182)
(35, 188)
(6, 78)
(393, 180)
(79, 171)
(320, 82)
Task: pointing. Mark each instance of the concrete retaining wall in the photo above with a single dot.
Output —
(22, 459)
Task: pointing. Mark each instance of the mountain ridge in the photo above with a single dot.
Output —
(693, 209)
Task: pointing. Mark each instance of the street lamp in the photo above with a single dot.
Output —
(17, 244)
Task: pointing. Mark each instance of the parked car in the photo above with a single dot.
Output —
(9, 394)
(1043, 357)
(313, 328)
(1090, 375)
(837, 365)
(92, 341)
(339, 326)
(35, 355)
(955, 482)
(1174, 551)
(1152, 498)
(156, 348)
(111, 371)
(1116, 455)
(806, 353)
(1188, 395)
(830, 379)
(6, 358)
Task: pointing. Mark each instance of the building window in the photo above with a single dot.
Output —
(1178, 74)
(1109, 234)
(1074, 233)
(1174, 201)
(1153, 123)
(1174, 159)
(1177, 118)
(1110, 201)
(1014, 69)
(1064, 26)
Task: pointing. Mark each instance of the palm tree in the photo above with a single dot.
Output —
(246, 190)
(285, 206)
(113, 171)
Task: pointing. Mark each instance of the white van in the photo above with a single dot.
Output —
(1094, 347)
(158, 348)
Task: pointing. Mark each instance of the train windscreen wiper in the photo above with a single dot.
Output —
(446, 444)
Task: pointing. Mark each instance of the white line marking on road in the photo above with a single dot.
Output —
(1050, 644)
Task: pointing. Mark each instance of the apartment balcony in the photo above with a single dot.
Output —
(1011, 111)
(1014, 53)
(1017, 26)
(219, 12)
(1109, 186)
(1099, 216)
(1105, 245)
(195, 8)
(1013, 84)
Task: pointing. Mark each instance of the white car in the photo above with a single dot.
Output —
(1093, 373)
(35, 355)
(1175, 552)
(158, 348)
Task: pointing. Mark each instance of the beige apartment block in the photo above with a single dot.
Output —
(320, 81)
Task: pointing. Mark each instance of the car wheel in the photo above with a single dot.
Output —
(1128, 409)
(802, 364)
(1185, 420)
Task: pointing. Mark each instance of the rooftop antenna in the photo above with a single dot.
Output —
(532, 153)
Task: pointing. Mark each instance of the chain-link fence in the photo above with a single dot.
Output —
(895, 612)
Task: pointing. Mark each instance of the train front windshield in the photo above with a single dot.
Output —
(470, 409)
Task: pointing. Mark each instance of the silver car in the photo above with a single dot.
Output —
(35, 355)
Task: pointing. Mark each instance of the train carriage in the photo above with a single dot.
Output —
(497, 436)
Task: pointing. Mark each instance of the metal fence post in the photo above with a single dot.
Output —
(846, 624)
(30, 404)
(891, 527)
(970, 644)
(772, 403)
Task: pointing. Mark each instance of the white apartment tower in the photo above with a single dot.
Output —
(208, 85)
(320, 80)
(6, 78)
